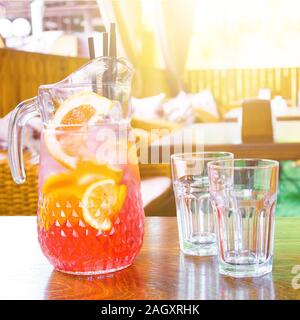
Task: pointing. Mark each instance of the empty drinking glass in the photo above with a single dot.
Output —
(194, 211)
(244, 193)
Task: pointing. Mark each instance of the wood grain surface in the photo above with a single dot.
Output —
(159, 272)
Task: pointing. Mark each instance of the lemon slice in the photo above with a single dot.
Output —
(57, 181)
(77, 110)
(102, 201)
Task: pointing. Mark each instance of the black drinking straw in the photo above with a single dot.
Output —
(113, 55)
(105, 54)
(112, 41)
(92, 56)
(105, 44)
(91, 48)
(109, 76)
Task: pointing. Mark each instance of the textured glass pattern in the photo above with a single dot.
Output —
(244, 194)
(194, 210)
(71, 245)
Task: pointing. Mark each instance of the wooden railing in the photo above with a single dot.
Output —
(22, 72)
(229, 86)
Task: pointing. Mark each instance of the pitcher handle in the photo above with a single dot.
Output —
(22, 113)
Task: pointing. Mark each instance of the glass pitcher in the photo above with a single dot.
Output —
(90, 214)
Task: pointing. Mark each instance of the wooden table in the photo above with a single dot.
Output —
(288, 114)
(159, 272)
(226, 136)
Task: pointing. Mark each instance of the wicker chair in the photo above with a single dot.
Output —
(18, 199)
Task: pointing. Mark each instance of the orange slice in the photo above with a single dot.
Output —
(88, 172)
(56, 181)
(77, 110)
(102, 201)
(80, 108)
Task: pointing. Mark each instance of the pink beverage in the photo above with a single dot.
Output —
(90, 215)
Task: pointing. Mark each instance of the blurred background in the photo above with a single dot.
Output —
(167, 40)
(196, 62)
(172, 36)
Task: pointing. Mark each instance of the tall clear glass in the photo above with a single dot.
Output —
(193, 206)
(90, 213)
(244, 193)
